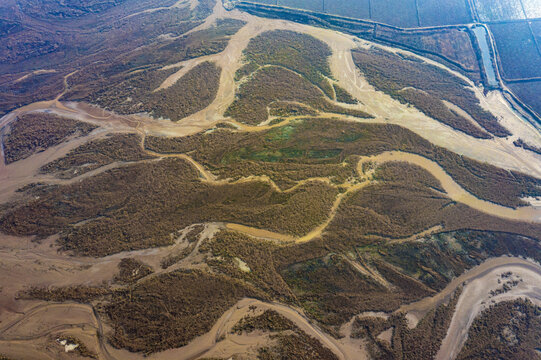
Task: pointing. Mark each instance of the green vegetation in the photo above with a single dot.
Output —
(508, 330)
(391, 73)
(36, 132)
(131, 270)
(303, 148)
(97, 153)
(292, 342)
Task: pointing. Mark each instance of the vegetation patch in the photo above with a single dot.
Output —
(117, 210)
(227, 246)
(521, 143)
(36, 132)
(421, 342)
(391, 73)
(508, 330)
(438, 110)
(78, 293)
(137, 92)
(97, 153)
(170, 310)
(298, 52)
(343, 96)
(274, 83)
(309, 147)
(131, 270)
(405, 206)
(292, 342)
(452, 45)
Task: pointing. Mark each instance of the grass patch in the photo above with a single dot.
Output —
(135, 93)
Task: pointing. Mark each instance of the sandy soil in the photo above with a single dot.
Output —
(476, 296)
(25, 263)
(418, 309)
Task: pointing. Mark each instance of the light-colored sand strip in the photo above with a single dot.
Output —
(476, 297)
(33, 73)
(260, 233)
(319, 230)
(206, 345)
(418, 236)
(454, 190)
(179, 4)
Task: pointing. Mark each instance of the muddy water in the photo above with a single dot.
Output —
(481, 36)
(454, 190)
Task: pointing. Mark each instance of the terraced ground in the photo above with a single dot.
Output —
(263, 188)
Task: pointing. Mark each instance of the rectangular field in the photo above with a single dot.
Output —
(451, 44)
(265, 2)
(436, 12)
(402, 13)
(499, 10)
(536, 30)
(532, 8)
(312, 5)
(517, 49)
(358, 9)
(529, 93)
